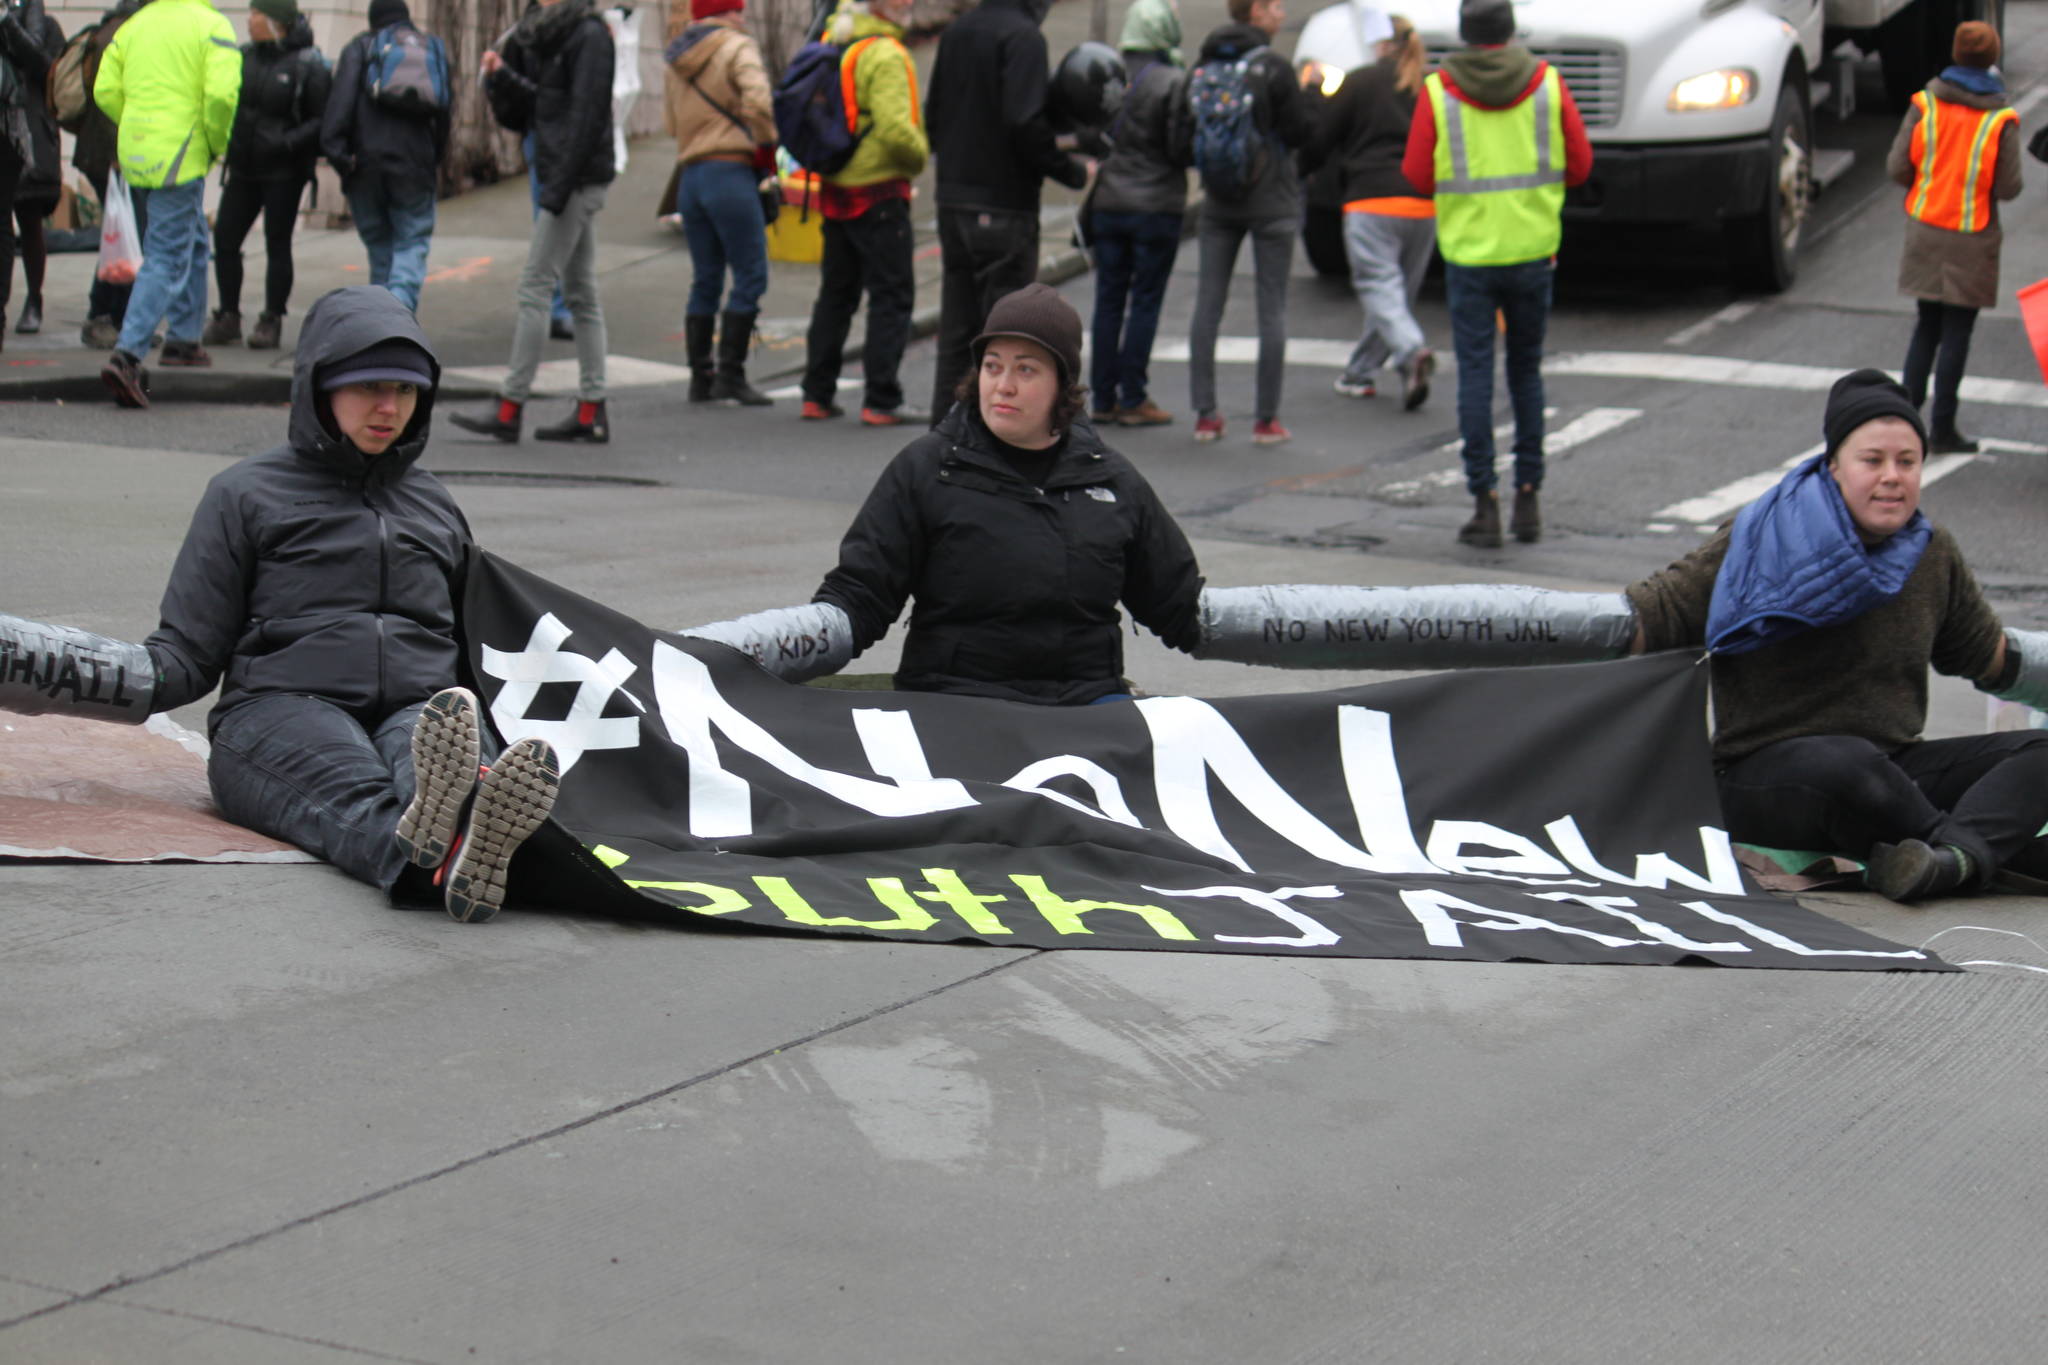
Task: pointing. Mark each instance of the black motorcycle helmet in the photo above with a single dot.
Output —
(1087, 89)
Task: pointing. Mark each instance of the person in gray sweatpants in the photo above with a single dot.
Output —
(553, 78)
(1268, 210)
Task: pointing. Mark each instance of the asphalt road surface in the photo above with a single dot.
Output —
(253, 1114)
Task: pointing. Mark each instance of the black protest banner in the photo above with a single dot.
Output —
(1562, 814)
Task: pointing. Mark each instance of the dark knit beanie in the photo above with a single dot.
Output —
(280, 12)
(1486, 23)
(1862, 396)
(704, 9)
(1976, 44)
(1037, 313)
(384, 13)
(396, 359)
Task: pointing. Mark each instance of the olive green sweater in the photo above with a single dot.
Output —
(1866, 677)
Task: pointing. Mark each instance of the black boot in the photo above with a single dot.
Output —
(31, 320)
(736, 333)
(1527, 519)
(1914, 871)
(1949, 441)
(503, 421)
(585, 422)
(698, 330)
(1484, 528)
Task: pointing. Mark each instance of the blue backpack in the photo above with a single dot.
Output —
(811, 116)
(407, 71)
(1229, 149)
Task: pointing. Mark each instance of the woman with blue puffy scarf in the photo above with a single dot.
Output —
(1822, 607)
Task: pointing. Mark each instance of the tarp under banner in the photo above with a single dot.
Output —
(1562, 814)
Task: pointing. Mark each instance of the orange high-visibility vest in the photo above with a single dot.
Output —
(1955, 148)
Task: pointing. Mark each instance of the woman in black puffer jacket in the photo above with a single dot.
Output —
(1016, 533)
(285, 84)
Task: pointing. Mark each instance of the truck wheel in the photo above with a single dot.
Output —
(1322, 237)
(1763, 250)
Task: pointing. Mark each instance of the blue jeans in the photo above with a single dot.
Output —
(396, 223)
(558, 311)
(171, 286)
(1133, 257)
(721, 208)
(1521, 295)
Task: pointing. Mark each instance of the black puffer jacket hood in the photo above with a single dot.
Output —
(314, 570)
(341, 324)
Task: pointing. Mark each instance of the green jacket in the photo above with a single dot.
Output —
(171, 79)
(893, 144)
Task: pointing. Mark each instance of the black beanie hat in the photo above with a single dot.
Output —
(1862, 396)
(384, 13)
(1037, 313)
(279, 12)
(1486, 23)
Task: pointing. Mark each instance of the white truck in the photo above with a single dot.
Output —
(1699, 111)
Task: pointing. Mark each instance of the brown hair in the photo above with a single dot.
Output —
(1407, 45)
(1241, 11)
(1067, 406)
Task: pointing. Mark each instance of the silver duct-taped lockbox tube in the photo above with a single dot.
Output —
(61, 670)
(2030, 686)
(793, 643)
(1462, 625)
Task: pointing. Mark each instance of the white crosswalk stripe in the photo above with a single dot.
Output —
(1588, 426)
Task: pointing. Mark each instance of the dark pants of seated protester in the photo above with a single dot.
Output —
(306, 771)
(1986, 794)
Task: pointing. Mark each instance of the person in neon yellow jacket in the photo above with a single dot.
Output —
(170, 81)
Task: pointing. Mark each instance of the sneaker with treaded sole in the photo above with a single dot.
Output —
(446, 743)
(512, 801)
(1209, 427)
(1270, 433)
(1356, 388)
(820, 412)
(126, 380)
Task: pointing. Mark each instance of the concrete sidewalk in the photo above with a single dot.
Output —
(469, 305)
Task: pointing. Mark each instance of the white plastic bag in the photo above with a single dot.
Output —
(120, 244)
(624, 24)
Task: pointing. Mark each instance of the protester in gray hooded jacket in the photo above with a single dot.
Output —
(319, 584)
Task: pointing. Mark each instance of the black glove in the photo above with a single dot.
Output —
(2037, 145)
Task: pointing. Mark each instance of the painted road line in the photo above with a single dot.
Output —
(1711, 509)
(797, 390)
(1587, 426)
(1762, 374)
(556, 378)
(1684, 369)
(1686, 336)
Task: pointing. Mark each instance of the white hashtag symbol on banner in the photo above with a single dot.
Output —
(597, 682)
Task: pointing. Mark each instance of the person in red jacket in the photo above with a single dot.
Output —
(1499, 195)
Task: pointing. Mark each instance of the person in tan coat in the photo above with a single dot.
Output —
(721, 113)
(1957, 154)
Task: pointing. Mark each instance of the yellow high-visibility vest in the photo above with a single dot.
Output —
(1499, 175)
